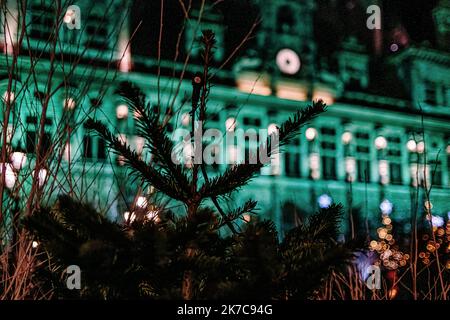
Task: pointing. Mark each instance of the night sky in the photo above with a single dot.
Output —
(334, 20)
(415, 15)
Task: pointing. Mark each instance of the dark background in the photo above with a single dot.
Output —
(334, 20)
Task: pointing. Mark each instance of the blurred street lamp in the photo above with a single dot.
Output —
(347, 137)
(311, 134)
(381, 143)
(411, 145)
(386, 207)
(324, 201)
(421, 147)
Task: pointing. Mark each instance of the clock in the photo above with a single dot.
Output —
(288, 61)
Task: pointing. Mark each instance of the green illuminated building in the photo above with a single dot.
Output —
(367, 151)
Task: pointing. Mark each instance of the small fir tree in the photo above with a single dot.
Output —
(184, 256)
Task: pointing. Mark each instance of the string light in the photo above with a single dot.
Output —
(141, 202)
(129, 217)
(152, 215)
(373, 244)
(69, 103)
(9, 96)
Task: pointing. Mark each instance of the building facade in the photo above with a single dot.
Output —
(384, 141)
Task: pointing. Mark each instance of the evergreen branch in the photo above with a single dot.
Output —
(320, 228)
(248, 207)
(160, 181)
(291, 127)
(239, 175)
(149, 127)
(325, 224)
(234, 178)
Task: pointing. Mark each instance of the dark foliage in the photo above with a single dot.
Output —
(145, 260)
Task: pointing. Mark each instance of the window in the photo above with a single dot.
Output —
(96, 32)
(215, 153)
(292, 159)
(434, 158)
(394, 158)
(363, 168)
(395, 173)
(328, 154)
(329, 167)
(448, 168)
(291, 216)
(430, 93)
(215, 117)
(363, 159)
(253, 122)
(101, 150)
(447, 97)
(87, 146)
(251, 148)
(94, 148)
(42, 19)
(32, 136)
(248, 151)
(436, 169)
(285, 20)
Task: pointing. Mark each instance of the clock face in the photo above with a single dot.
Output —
(288, 61)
